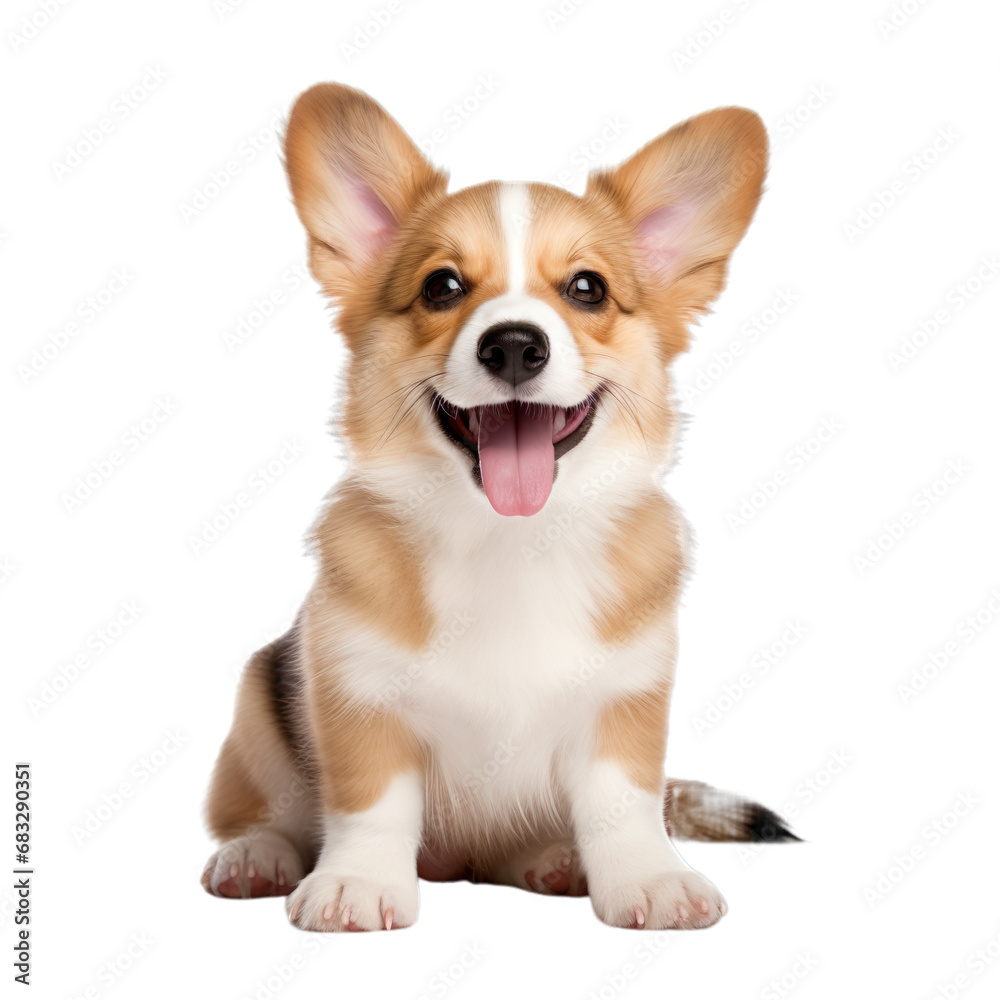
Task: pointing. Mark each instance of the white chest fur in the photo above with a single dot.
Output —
(514, 676)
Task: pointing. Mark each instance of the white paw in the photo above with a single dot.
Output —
(680, 899)
(263, 863)
(325, 901)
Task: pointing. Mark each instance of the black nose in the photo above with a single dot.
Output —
(514, 351)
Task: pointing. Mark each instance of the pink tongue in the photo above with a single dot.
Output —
(516, 457)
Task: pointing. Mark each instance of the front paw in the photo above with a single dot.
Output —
(325, 901)
(671, 900)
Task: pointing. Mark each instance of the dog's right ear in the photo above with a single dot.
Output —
(355, 176)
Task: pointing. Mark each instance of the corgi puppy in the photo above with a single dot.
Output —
(478, 684)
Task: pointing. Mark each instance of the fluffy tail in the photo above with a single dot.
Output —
(693, 810)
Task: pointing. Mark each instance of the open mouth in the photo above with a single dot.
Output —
(515, 446)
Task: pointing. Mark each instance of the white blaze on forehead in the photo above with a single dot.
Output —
(562, 383)
(515, 216)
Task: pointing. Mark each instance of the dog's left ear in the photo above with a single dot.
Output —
(688, 197)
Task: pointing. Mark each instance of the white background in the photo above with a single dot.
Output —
(825, 734)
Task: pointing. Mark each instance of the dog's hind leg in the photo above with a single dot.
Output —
(260, 804)
(552, 869)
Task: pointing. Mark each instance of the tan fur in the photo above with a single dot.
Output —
(368, 568)
(358, 749)
(370, 571)
(647, 562)
(646, 557)
(254, 766)
(633, 732)
(569, 234)
(234, 800)
(373, 262)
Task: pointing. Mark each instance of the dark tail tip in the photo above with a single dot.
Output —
(766, 827)
(696, 811)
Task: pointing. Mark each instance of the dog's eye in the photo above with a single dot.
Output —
(586, 288)
(442, 288)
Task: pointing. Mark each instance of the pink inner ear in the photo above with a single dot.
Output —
(373, 224)
(666, 236)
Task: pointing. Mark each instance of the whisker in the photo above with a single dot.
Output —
(393, 422)
(621, 385)
(402, 419)
(619, 393)
(405, 388)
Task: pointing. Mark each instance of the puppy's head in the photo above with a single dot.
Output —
(514, 328)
